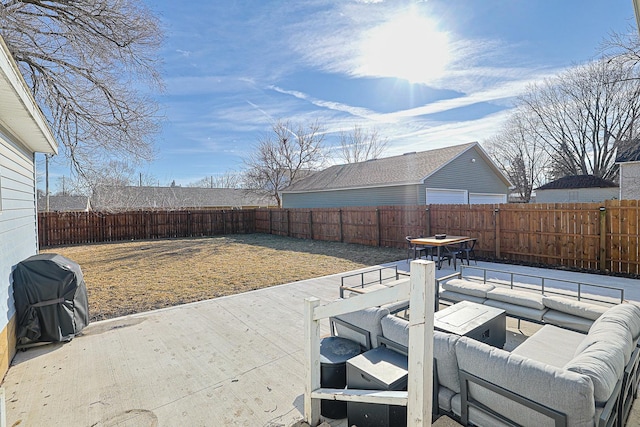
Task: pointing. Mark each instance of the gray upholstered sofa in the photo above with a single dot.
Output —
(557, 377)
(529, 302)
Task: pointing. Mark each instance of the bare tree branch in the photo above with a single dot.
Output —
(89, 64)
(361, 145)
(283, 157)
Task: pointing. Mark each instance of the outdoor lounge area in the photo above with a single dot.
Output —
(580, 368)
(236, 360)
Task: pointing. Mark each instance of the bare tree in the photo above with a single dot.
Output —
(361, 145)
(284, 156)
(87, 63)
(584, 115)
(225, 180)
(520, 153)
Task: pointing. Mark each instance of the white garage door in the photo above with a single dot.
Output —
(442, 196)
(486, 198)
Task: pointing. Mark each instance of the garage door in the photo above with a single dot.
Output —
(486, 198)
(443, 196)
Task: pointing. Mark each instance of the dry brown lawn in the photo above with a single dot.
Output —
(131, 277)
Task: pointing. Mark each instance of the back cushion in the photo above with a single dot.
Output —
(577, 308)
(368, 319)
(568, 392)
(467, 287)
(603, 363)
(397, 330)
(626, 315)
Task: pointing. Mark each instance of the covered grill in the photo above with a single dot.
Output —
(51, 299)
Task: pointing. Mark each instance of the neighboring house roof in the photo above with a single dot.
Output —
(19, 112)
(410, 168)
(578, 181)
(110, 198)
(629, 155)
(64, 203)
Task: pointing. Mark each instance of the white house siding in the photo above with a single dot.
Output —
(375, 196)
(630, 181)
(577, 195)
(18, 225)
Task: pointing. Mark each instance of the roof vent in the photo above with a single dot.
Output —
(409, 153)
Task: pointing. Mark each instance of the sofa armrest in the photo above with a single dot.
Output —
(610, 415)
(366, 336)
(466, 402)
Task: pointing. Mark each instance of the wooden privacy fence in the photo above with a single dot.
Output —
(65, 228)
(591, 236)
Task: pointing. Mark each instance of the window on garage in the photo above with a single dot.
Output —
(444, 196)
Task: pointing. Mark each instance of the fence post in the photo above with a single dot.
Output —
(311, 224)
(428, 221)
(379, 227)
(341, 232)
(311, 361)
(288, 223)
(496, 212)
(270, 221)
(602, 262)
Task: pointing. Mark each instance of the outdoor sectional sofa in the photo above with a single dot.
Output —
(557, 377)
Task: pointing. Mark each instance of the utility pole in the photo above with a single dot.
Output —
(46, 178)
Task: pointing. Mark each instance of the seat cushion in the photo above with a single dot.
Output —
(574, 307)
(518, 310)
(457, 297)
(551, 345)
(468, 287)
(517, 297)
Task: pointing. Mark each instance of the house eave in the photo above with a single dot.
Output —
(362, 187)
(18, 109)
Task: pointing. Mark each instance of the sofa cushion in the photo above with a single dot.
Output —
(444, 398)
(625, 314)
(551, 345)
(397, 330)
(604, 364)
(517, 297)
(468, 287)
(457, 297)
(576, 308)
(367, 319)
(565, 320)
(565, 391)
(613, 334)
(517, 310)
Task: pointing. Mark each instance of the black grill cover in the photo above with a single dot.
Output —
(51, 299)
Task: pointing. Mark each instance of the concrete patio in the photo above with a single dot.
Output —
(229, 361)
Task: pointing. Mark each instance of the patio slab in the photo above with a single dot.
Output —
(230, 361)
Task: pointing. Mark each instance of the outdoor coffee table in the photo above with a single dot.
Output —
(477, 321)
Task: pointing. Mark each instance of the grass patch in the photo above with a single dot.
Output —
(132, 277)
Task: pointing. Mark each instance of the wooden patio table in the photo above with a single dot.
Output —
(439, 243)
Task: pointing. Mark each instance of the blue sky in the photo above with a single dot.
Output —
(425, 74)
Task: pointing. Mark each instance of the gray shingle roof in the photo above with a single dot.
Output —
(117, 198)
(64, 203)
(577, 181)
(410, 168)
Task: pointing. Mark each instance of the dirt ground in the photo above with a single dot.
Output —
(132, 277)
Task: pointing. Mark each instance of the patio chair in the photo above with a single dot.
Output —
(417, 250)
(452, 253)
(467, 251)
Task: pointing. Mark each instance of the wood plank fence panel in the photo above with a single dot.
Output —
(566, 234)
